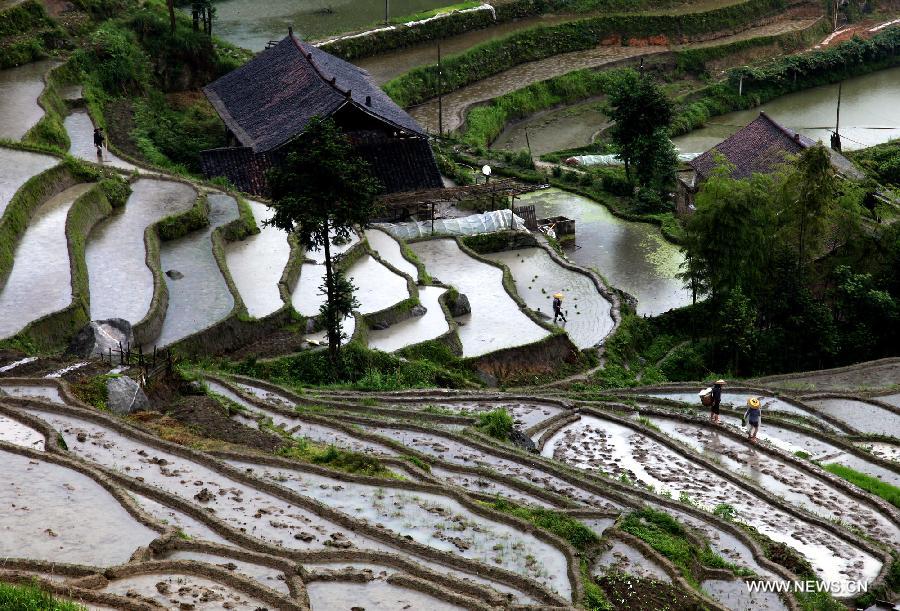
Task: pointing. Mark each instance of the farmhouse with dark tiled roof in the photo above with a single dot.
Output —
(758, 148)
(269, 102)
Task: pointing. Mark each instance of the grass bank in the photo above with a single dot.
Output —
(32, 598)
(889, 493)
(488, 59)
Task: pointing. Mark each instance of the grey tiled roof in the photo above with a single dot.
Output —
(760, 147)
(272, 98)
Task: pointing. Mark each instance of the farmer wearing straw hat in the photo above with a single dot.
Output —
(557, 308)
(752, 416)
(716, 401)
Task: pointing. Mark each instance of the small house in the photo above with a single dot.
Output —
(760, 147)
(269, 102)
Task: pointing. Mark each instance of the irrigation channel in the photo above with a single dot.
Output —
(245, 527)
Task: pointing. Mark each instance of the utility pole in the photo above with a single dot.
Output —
(836, 136)
(387, 12)
(528, 143)
(440, 93)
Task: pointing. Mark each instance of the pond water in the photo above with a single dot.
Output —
(257, 264)
(201, 298)
(252, 25)
(496, 322)
(538, 277)
(414, 330)
(120, 280)
(869, 114)
(40, 282)
(43, 517)
(633, 257)
(16, 167)
(20, 89)
(81, 134)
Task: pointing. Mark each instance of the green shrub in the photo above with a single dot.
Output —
(179, 225)
(31, 598)
(560, 524)
(113, 55)
(117, 190)
(497, 423)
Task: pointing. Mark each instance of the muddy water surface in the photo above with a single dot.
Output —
(201, 298)
(267, 576)
(191, 527)
(174, 591)
(81, 134)
(633, 257)
(16, 167)
(44, 393)
(120, 280)
(16, 433)
(389, 249)
(433, 520)
(538, 277)
(738, 401)
(623, 558)
(736, 595)
(44, 506)
(416, 329)
(40, 282)
(257, 264)
(376, 595)
(483, 485)
(496, 321)
(377, 287)
(862, 416)
(597, 444)
(869, 115)
(19, 91)
(554, 130)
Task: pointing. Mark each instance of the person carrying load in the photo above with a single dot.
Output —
(712, 398)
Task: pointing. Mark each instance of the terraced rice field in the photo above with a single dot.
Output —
(19, 91)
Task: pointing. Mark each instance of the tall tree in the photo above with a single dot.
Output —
(320, 191)
(641, 115)
(171, 5)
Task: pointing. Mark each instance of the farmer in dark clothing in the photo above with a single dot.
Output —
(557, 308)
(752, 416)
(716, 401)
(99, 141)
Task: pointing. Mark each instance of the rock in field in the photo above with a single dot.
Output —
(99, 336)
(124, 396)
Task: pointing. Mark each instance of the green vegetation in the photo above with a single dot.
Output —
(725, 511)
(889, 493)
(357, 368)
(92, 391)
(32, 598)
(496, 423)
(26, 34)
(437, 11)
(565, 527)
(881, 162)
(334, 458)
(668, 537)
(321, 190)
(176, 226)
(537, 43)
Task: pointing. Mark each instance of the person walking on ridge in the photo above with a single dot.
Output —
(99, 141)
(716, 401)
(752, 416)
(557, 308)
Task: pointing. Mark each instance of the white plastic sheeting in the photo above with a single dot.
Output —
(489, 222)
(614, 159)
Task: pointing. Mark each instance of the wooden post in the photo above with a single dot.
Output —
(836, 136)
(741, 86)
(387, 18)
(440, 92)
(528, 143)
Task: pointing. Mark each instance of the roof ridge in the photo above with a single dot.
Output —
(793, 135)
(307, 55)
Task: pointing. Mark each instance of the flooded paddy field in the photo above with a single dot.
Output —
(257, 264)
(595, 444)
(40, 282)
(556, 129)
(414, 330)
(496, 322)
(174, 591)
(18, 167)
(389, 249)
(623, 558)
(378, 594)
(862, 416)
(735, 594)
(633, 257)
(20, 89)
(81, 135)
(16, 433)
(265, 575)
(377, 287)
(538, 277)
(121, 282)
(738, 401)
(200, 297)
(43, 517)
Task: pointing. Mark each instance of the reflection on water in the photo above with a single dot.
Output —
(870, 114)
(633, 257)
(251, 24)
